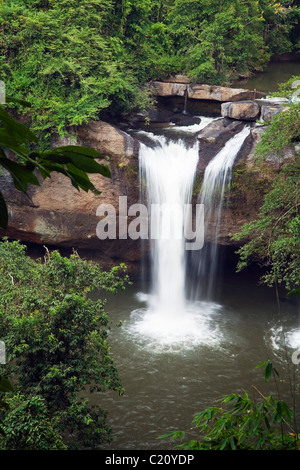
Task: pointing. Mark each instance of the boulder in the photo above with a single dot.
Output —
(219, 93)
(241, 110)
(268, 111)
(204, 92)
(166, 89)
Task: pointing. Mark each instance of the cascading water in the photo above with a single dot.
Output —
(167, 169)
(216, 182)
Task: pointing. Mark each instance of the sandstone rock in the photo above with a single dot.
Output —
(219, 93)
(204, 92)
(169, 89)
(57, 214)
(106, 138)
(241, 110)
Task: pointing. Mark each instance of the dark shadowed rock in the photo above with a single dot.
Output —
(214, 136)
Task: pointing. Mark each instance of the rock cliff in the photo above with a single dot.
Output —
(56, 214)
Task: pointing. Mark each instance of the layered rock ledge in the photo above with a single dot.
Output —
(204, 92)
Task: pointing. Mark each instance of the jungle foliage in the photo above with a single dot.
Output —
(273, 238)
(77, 60)
(57, 349)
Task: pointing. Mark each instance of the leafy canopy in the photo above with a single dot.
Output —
(56, 339)
(77, 60)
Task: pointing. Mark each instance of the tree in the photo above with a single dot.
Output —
(28, 426)
(220, 40)
(69, 59)
(56, 341)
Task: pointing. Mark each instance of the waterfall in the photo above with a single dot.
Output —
(171, 316)
(213, 195)
(168, 170)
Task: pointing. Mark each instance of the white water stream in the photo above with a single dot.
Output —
(167, 171)
(214, 193)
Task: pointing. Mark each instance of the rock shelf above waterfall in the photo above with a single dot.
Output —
(204, 92)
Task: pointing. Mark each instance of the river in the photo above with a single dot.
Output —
(165, 386)
(268, 81)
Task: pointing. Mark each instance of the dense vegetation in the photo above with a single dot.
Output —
(248, 421)
(273, 239)
(57, 349)
(76, 60)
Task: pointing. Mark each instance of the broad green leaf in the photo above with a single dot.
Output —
(10, 99)
(20, 174)
(88, 165)
(16, 128)
(78, 150)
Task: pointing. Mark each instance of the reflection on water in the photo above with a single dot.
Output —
(165, 386)
(268, 80)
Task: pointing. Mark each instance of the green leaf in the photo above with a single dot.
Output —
(17, 129)
(20, 174)
(261, 364)
(88, 165)
(294, 291)
(10, 99)
(268, 371)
